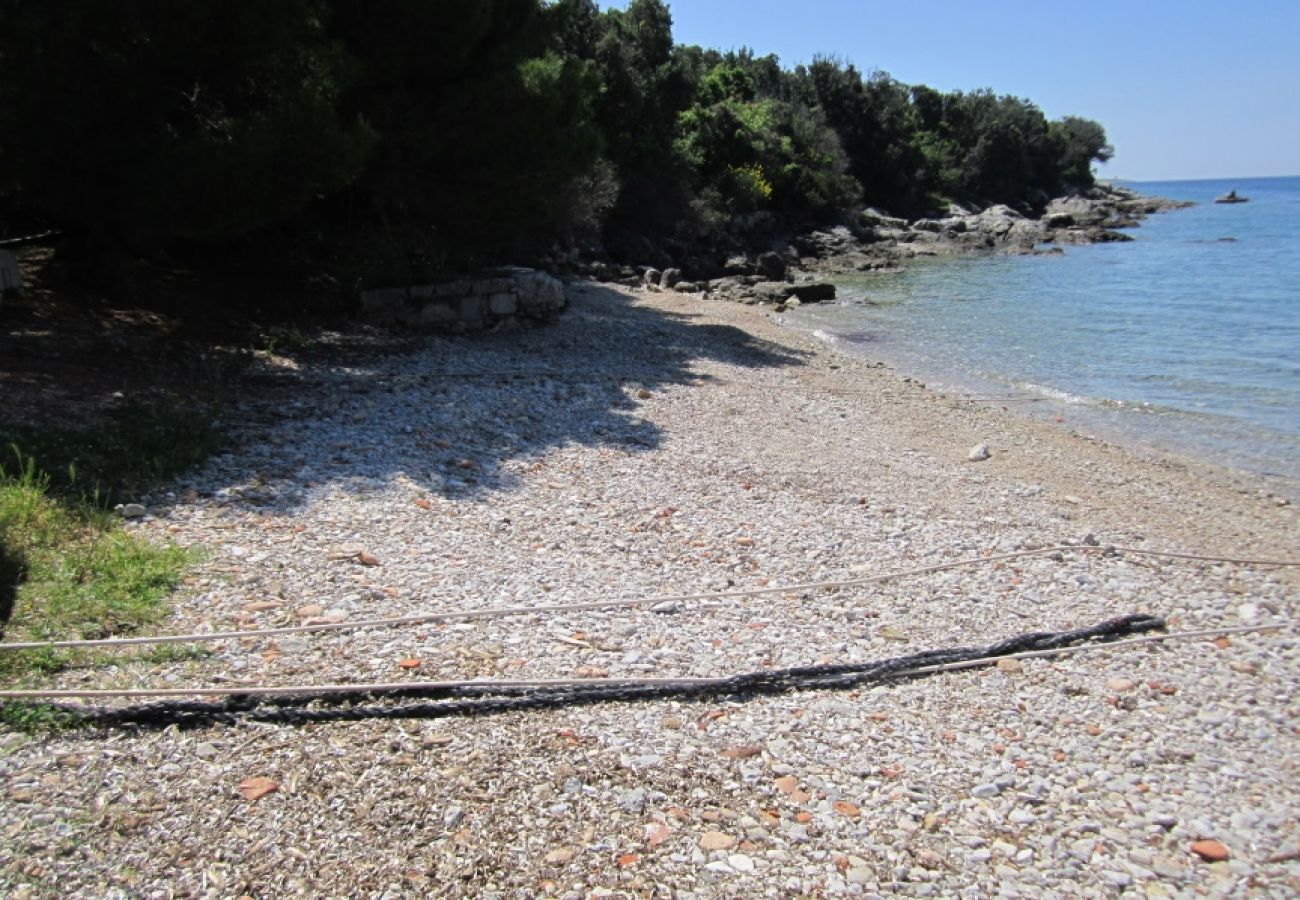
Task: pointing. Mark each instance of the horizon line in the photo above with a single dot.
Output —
(1199, 178)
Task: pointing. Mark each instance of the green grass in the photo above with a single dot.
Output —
(74, 574)
(68, 569)
(38, 717)
(132, 449)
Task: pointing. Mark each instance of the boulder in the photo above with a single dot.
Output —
(814, 291)
(773, 291)
(772, 265)
(1064, 212)
(874, 218)
(669, 278)
(737, 265)
(1091, 235)
(651, 276)
(1024, 233)
(830, 242)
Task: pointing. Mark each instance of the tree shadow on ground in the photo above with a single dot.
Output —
(461, 417)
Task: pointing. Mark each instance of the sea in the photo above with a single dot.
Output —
(1185, 340)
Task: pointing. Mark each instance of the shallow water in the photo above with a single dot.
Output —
(1186, 338)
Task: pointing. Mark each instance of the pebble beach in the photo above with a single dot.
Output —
(649, 444)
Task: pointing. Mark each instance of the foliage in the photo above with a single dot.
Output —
(762, 152)
(481, 122)
(142, 122)
(874, 121)
(403, 138)
(1079, 142)
(36, 718)
(644, 83)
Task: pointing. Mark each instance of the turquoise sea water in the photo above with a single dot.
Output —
(1186, 338)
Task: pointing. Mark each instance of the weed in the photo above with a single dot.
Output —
(32, 718)
(174, 653)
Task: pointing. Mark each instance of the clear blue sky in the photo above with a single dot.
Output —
(1190, 89)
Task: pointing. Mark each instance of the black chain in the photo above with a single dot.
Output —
(487, 699)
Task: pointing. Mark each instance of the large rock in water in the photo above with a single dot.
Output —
(814, 291)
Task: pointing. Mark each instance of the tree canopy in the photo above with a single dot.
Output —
(473, 130)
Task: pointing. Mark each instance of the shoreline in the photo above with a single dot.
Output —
(950, 413)
(1083, 219)
(761, 266)
(1109, 420)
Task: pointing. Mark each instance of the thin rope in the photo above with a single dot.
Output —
(1192, 556)
(500, 612)
(484, 686)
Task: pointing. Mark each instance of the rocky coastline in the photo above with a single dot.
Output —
(757, 263)
(765, 267)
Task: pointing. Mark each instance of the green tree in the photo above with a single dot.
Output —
(875, 124)
(762, 152)
(482, 122)
(142, 122)
(645, 83)
(1079, 143)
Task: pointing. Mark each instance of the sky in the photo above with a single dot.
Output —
(1191, 89)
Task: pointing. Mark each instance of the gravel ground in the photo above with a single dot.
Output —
(660, 443)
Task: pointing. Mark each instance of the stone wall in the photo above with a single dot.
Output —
(11, 278)
(508, 296)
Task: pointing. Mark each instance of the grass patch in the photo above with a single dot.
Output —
(68, 569)
(74, 573)
(132, 449)
(38, 717)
